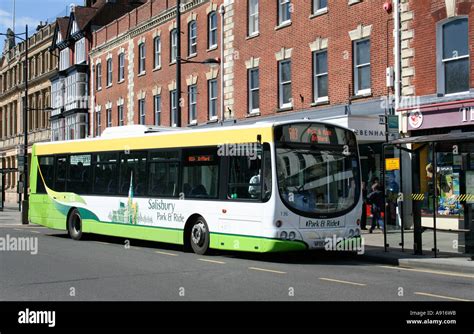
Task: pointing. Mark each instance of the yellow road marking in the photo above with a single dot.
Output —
(165, 253)
(445, 273)
(442, 297)
(211, 261)
(267, 270)
(343, 282)
(35, 232)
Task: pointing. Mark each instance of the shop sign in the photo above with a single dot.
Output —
(392, 164)
(467, 114)
(415, 119)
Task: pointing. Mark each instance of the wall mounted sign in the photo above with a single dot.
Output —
(392, 164)
(415, 119)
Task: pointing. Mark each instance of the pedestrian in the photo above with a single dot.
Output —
(363, 218)
(376, 199)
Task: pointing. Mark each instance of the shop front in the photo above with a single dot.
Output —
(436, 204)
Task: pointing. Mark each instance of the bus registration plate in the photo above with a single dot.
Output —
(319, 243)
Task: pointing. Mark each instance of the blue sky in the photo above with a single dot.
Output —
(31, 12)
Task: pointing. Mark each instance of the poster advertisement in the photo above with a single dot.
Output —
(449, 191)
(470, 186)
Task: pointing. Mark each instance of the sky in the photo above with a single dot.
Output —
(31, 12)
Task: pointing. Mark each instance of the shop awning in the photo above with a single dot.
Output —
(457, 136)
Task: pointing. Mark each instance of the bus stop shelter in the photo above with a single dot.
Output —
(429, 194)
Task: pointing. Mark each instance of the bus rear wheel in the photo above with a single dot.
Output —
(74, 225)
(199, 236)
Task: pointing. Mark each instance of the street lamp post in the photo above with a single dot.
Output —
(179, 61)
(178, 64)
(24, 204)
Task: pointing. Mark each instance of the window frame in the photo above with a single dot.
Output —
(317, 8)
(317, 98)
(356, 67)
(173, 108)
(212, 30)
(141, 58)
(281, 84)
(281, 7)
(192, 38)
(109, 76)
(192, 103)
(157, 52)
(157, 111)
(98, 76)
(121, 67)
(212, 100)
(253, 18)
(441, 61)
(142, 111)
(120, 115)
(173, 45)
(250, 90)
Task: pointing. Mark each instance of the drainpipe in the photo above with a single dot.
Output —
(222, 12)
(397, 54)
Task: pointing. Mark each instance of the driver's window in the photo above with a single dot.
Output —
(245, 178)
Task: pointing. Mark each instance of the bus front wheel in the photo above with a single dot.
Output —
(74, 225)
(200, 236)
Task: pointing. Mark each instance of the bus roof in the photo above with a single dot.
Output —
(143, 137)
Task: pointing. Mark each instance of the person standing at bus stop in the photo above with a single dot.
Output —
(363, 218)
(376, 199)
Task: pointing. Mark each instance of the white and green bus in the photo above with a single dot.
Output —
(267, 187)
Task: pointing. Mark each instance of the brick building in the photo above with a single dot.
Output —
(72, 39)
(134, 67)
(317, 59)
(42, 65)
(437, 119)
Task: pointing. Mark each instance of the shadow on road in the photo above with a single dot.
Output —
(313, 257)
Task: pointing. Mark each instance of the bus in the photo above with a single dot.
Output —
(265, 187)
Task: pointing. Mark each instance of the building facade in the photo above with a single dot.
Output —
(438, 120)
(42, 65)
(279, 60)
(133, 62)
(70, 87)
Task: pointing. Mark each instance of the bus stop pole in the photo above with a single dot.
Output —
(400, 211)
(435, 196)
(384, 200)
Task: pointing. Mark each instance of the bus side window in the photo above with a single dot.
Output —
(78, 180)
(201, 173)
(244, 178)
(61, 173)
(267, 172)
(105, 173)
(46, 165)
(163, 173)
(133, 173)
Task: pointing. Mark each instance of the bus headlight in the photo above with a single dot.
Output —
(284, 235)
(351, 233)
(292, 235)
